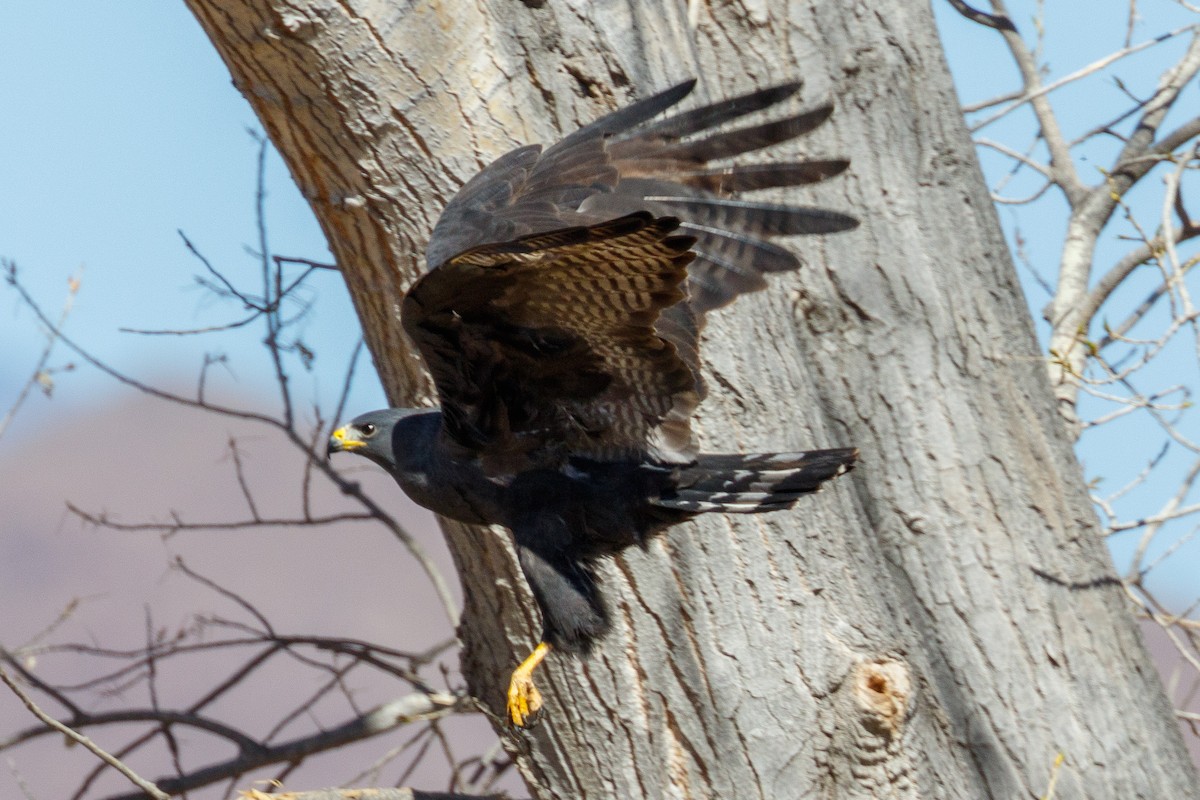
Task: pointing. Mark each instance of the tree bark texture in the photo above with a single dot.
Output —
(943, 623)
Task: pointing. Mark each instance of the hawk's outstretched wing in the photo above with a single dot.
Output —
(561, 315)
(545, 347)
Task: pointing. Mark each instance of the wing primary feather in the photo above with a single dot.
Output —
(768, 219)
(631, 115)
(735, 142)
(714, 282)
(710, 116)
(763, 256)
(752, 177)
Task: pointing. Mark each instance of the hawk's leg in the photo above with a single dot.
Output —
(524, 699)
(561, 578)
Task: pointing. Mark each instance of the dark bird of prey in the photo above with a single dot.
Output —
(560, 319)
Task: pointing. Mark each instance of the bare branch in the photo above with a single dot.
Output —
(252, 753)
(1141, 152)
(971, 108)
(1117, 332)
(996, 21)
(1016, 155)
(1021, 201)
(104, 521)
(40, 375)
(1169, 551)
(369, 794)
(340, 409)
(1157, 519)
(347, 487)
(260, 308)
(272, 283)
(1061, 169)
(1116, 275)
(146, 787)
(411, 708)
(187, 719)
(1033, 93)
(119, 376)
(226, 593)
(165, 730)
(241, 479)
(308, 262)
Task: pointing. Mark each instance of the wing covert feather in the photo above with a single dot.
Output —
(545, 347)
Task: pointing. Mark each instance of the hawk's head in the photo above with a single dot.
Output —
(372, 435)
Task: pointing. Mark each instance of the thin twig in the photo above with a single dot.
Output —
(103, 521)
(389, 716)
(39, 376)
(349, 488)
(996, 21)
(1033, 93)
(146, 786)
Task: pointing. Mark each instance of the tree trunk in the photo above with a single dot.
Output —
(943, 623)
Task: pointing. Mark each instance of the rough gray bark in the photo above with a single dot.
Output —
(942, 624)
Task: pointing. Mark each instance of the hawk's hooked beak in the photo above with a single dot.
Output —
(343, 439)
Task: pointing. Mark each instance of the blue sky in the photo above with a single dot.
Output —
(1115, 453)
(122, 126)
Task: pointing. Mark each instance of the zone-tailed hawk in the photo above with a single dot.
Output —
(560, 320)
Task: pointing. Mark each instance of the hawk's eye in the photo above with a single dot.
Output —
(368, 430)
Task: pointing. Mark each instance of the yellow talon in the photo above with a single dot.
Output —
(524, 700)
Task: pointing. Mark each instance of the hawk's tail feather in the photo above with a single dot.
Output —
(749, 484)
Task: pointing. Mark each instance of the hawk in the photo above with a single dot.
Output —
(560, 318)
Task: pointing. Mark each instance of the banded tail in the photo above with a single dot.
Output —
(749, 484)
